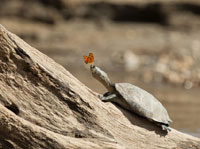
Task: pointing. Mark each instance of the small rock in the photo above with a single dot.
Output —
(131, 61)
(188, 84)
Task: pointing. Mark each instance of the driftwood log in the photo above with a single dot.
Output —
(43, 106)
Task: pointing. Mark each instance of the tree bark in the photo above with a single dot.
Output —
(43, 106)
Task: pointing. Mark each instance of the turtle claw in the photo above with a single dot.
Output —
(165, 128)
(100, 97)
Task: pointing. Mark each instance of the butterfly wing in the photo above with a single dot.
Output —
(85, 59)
(90, 58)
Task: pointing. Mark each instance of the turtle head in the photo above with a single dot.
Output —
(102, 77)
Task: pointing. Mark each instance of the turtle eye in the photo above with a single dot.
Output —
(92, 67)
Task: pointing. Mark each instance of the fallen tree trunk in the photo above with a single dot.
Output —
(44, 106)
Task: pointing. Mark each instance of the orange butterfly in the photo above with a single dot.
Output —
(89, 59)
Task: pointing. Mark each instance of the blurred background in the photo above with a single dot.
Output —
(154, 44)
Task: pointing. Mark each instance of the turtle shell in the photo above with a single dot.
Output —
(143, 103)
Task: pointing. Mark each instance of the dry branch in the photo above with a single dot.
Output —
(44, 106)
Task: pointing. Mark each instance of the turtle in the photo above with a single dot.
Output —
(133, 99)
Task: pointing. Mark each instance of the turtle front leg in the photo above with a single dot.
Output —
(109, 98)
(107, 94)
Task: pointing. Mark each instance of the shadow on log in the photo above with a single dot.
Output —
(43, 106)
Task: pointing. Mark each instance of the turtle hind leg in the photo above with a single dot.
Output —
(108, 98)
(166, 128)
